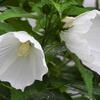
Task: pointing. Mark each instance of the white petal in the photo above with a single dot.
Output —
(89, 3)
(93, 35)
(83, 39)
(39, 63)
(32, 22)
(24, 71)
(8, 47)
(23, 36)
(83, 22)
(20, 71)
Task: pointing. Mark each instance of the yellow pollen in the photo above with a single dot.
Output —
(24, 49)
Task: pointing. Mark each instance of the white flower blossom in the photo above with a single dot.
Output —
(22, 59)
(83, 39)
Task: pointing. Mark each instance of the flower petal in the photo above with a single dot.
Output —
(23, 36)
(83, 22)
(89, 3)
(39, 63)
(32, 22)
(21, 71)
(93, 35)
(8, 47)
(24, 71)
(83, 39)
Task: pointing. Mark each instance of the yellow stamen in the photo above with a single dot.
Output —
(24, 49)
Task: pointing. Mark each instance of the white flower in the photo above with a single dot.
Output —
(89, 3)
(83, 39)
(32, 22)
(22, 59)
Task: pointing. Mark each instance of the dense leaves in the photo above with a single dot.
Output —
(61, 77)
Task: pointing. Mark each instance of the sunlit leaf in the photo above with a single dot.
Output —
(14, 12)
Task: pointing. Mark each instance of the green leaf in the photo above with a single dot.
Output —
(20, 25)
(75, 10)
(6, 27)
(4, 91)
(87, 76)
(14, 12)
(48, 95)
(21, 2)
(79, 1)
(58, 7)
(17, 95)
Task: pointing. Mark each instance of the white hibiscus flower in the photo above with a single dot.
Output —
(22, 59)
(83, 39)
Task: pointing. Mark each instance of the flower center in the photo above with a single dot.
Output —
(24, 49)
